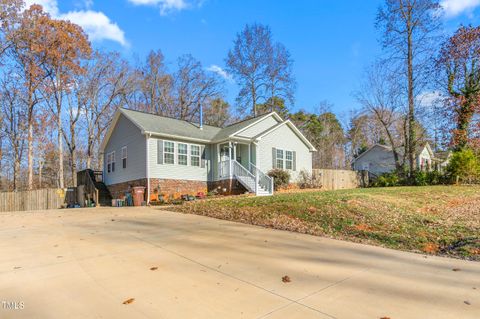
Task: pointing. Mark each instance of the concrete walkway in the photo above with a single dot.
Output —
(86, 263)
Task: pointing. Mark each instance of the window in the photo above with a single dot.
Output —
(289, 160)
(124, 157)
(182, 154)
(111, 162)
(195, 155)
(168, 152)
(279, 159)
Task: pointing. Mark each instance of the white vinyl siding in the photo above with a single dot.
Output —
(283, 138)
(176, 171)
(259, 127)
(377, 160)
(125, 135)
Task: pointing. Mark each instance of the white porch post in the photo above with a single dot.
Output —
(230, 158)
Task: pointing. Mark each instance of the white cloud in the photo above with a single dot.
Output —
(429, 99)
(221, 72)
(96, 24)
(456, 7)
(165, 6)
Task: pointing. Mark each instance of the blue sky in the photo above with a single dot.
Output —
(331, 41)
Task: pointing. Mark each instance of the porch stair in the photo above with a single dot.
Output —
(253, 179)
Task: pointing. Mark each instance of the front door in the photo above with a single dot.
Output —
(224, 165)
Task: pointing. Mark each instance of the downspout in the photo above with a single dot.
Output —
(147, 173)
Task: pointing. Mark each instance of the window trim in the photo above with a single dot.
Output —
(288, 160)
(165, 153)
(182, 154)
(282, 158)
(111, 162)
(199, 156)
(188, 154)
(124, 157)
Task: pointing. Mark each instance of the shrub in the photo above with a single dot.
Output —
(388, 180)
(307, 180)
(464, 167)
(281, 178)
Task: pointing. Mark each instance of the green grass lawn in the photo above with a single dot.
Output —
(442, 220)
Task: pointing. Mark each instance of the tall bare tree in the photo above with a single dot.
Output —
(67, 46)
(193, 88)
(28, 51)
(14, 122)
(410, 32)
(261, 67)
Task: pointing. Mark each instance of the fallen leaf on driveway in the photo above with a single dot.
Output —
(456, 269)
(129, 301)
(467, 302)
(153, 268)
(385, 318)
(286, 279)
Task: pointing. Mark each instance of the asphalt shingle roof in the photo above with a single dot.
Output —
(169, 126)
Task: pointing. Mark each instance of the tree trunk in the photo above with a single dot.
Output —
(30, 151)
(60, 149)
(40, 169)
(411, 100)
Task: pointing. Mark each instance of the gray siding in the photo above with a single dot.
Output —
(126, 134)
(175, 171)
(259, 127)
(283, 138)
(378, 161)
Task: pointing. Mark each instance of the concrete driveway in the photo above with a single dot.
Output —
(86, 263)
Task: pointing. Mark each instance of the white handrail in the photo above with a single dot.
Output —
(262, 179)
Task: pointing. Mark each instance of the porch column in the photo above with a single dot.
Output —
(230, 158)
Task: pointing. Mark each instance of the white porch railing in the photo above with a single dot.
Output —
(253, 179)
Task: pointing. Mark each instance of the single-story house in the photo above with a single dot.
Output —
(173, 156)
(379, 159)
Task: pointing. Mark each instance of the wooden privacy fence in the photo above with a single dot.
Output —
(332, 179)
(39, 199)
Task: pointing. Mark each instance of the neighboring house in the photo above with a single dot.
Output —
(379, 159)
(178, 157)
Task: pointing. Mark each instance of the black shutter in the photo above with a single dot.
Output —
(159, 151)
(294, 159)
(202, 153)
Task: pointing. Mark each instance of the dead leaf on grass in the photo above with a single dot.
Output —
(129, 301)
(286, 279)
(430, 248)
(363, 227)
(153, 268)
(312, 209)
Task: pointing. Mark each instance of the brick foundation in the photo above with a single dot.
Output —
(118, 190)
(231, 187)
(175, 188)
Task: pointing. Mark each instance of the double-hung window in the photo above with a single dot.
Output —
(182, 150)
(195, 155)
(168, 152)
(124, 157)
(289, 160)
(280, 159)
(111, 162)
